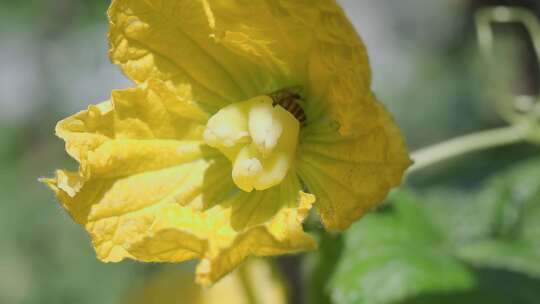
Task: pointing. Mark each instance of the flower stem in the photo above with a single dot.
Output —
(466, 144)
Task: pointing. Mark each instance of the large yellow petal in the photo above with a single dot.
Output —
(150, 190)
(87, 130)
(170, 40)
(141, 129)
(350, 174)
(270, 223)
(351, 152)
(224, 50)
(232, 50)
(170, 215)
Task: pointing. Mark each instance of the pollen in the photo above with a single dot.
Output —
(258, 138)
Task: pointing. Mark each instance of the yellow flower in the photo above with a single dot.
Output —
(199, 162)
(253, 282)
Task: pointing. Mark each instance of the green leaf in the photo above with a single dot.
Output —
(515, 256)
(513, 243)
(448, 246)
(493, 287)
(395, 255)
(319, 266)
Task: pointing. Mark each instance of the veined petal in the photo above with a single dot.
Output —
(170, 40)
(150, 111)
(263, 227)
(120, 213)
(123, 157)
(351, 174)
(339, 75)
(87, 130)
(225, 51)
(149, 189)
(145, 128)
(229, 51)
(171, 216)
(351, 152)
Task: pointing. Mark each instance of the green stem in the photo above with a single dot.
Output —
(466, 144)
(485, 18)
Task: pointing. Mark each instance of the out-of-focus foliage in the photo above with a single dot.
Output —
(512, 239)
(393, 255)
(444, 244)
(45, 47)
(256, 281)
(44, 260)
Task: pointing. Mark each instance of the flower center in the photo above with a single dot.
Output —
(258, 137)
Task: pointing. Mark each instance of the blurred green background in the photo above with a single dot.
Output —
(464, 231)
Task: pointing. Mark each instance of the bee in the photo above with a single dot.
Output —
(288, 99)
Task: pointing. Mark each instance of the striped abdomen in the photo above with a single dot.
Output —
(288, 99)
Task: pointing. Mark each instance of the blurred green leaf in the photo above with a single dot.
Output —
(44, 257)
(520, 257)
(513, 242)
(395, 255)
(319, 265)
(444, 246)
(493, 287)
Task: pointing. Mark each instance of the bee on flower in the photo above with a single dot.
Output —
(244, 116)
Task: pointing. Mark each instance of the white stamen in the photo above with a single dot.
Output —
(265, 128)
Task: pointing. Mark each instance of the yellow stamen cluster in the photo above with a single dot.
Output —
(259, 139)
